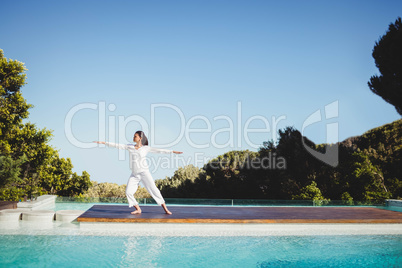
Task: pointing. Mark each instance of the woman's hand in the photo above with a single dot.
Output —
(176, 152)
(100, 142)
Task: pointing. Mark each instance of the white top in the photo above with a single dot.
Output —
(138, 160)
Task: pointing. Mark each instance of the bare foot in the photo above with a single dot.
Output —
(138, 211)
(166, 210)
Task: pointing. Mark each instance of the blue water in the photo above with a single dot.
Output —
(129, 251)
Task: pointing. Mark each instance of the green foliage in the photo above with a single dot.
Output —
(311, 192)
(181, 184)
(387, 54)
(222, 177)
(369, 170)
(347, 198)
(12, 193)
(112, 190)
(283, 183)
(13, 107)
(10, 170)
(375, 161)
(367, 179)
(105, 189)
(231, 174)
(12, 76)
(28, 164)
(58, 178)
(30, 142)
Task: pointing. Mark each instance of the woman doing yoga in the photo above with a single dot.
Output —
(140, 170)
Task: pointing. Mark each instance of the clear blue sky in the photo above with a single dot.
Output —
(274, 59)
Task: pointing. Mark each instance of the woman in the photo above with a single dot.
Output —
(140, 171)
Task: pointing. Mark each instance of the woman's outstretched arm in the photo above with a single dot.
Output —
(162, 151)
(111, 144)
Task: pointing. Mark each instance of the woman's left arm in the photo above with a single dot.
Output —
(162, 151)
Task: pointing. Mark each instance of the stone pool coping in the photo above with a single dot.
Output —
(198, 229)
(39, 203)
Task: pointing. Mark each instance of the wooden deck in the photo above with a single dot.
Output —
(198, 214)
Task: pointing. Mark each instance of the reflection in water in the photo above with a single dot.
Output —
(141, 251)
(131, 251)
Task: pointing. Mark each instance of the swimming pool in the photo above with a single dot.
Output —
(131, 251)
(203, 245)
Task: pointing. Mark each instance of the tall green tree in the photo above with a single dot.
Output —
(387, 54)
(13, 107)
(27, 161)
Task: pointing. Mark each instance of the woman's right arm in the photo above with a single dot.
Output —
(115, 145)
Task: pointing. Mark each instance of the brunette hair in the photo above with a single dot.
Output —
(144, 139)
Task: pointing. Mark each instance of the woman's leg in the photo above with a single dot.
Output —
(150, 186)
(131, 188)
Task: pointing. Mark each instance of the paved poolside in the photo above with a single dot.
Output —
(199, 214)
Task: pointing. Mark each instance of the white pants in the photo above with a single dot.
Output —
(146, 178)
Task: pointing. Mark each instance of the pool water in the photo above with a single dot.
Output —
(131, 251)
(72, 245)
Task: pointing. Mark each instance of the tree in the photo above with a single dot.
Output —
(310, 192)
(387, 54)
(181, 184)
(58, 178)
(284, 181)
(367, 181)
(13, 107)
(28, 164)
(370, 169)
(231, 175)
(112, 190)
(10, 170)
